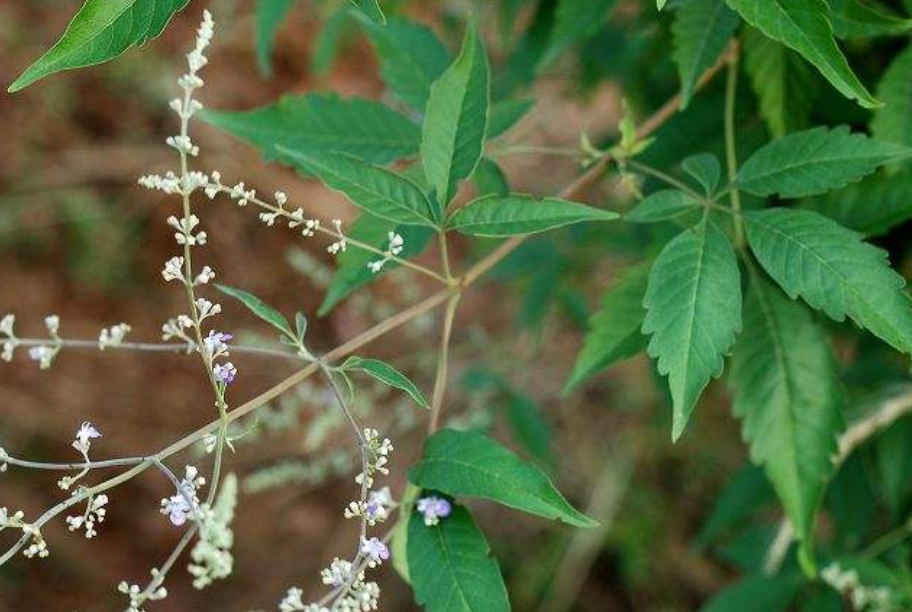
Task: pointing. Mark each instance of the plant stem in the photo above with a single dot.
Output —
(667, 178)
(443, 358)
(731, 154)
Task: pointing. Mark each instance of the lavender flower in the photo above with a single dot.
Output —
(177, 508)
(216, 343)
(84, 436)
(225, 372)
(375, 550)
(434, 509)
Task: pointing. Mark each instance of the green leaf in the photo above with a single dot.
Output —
(660, 4)
(352, 272)
(260, 309)
(802, 25)
(456, 119)
(699, 34)
(371, 8)
(386, 374)
(872, 207)
(411, 58)
(574, 22)
(399, 539)
(269, 16)
(614, 331)
(787, 394)
(854, 19)
(756, 593)
(814, 161)
(529, 428)
(662, 206)
(747, 492)
(377, 190)
(100, 31)
(833, 270)
(894, 465)
(323, 122)
(693, 304)
(516, 214)
(328, 42)
(705, 169)
(893, 121)
(490, 179)
(451, 567)
(507, 113)
(785, 84)
(471, 464)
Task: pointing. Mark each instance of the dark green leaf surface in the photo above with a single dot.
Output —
(700, 32)
(456, 119)
(516, 214)
(803, 25)
(269, 17)
(100, 31)
(787, 395)
(872, 207)
(323, 122)
(861, 19)
(370, 8)
(662, 206)
(693, 304)
(893, 121)
(833, 270)
(451, 567)
(388, 375)
(470, 464)
(815, 161)
(757, 593)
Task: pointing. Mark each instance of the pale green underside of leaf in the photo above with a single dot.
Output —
(456, 119)
(376, 190)
(517, 214)
(787, 396)
(859, 19)
(261, 309)
(269, 16)
(411, 58)
(352, 272)
(803, 26)
(693, 303)
(700, 32)
(785, 84)
(893, 122)
(814, 161)
(614, 331)
(833, 270)
(323, 122)
(388, 375)
(451, 568)
(470, 464)
(872, 207)
(371, 8)
(100, 31)
(662, 206)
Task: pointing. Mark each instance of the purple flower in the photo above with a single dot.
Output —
(216, 343)
(434, 509)
(84, 437)
(225, 372)
(375, 550)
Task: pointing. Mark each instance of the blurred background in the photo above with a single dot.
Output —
(80, 239)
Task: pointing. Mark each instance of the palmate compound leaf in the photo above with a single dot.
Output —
(788, 397)
(451, 568)
(614, 331)
(693, 304)
(323, 122)
(471, 464)
(516, 214)
(100, 31)
(377, 190)
(833, 270)
(700, 32)
(803, 26)
(815, 161)
(456, 119)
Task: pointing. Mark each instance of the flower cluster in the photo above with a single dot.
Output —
(212, 558)
(139, 596)
(113, 337)
(433, 509)
(4, 457)
(184, 503)
(861, 596)
(10, 341)
(95, 513)
(16, 520)
(82, 443)
(396, 244)
(378, 457)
